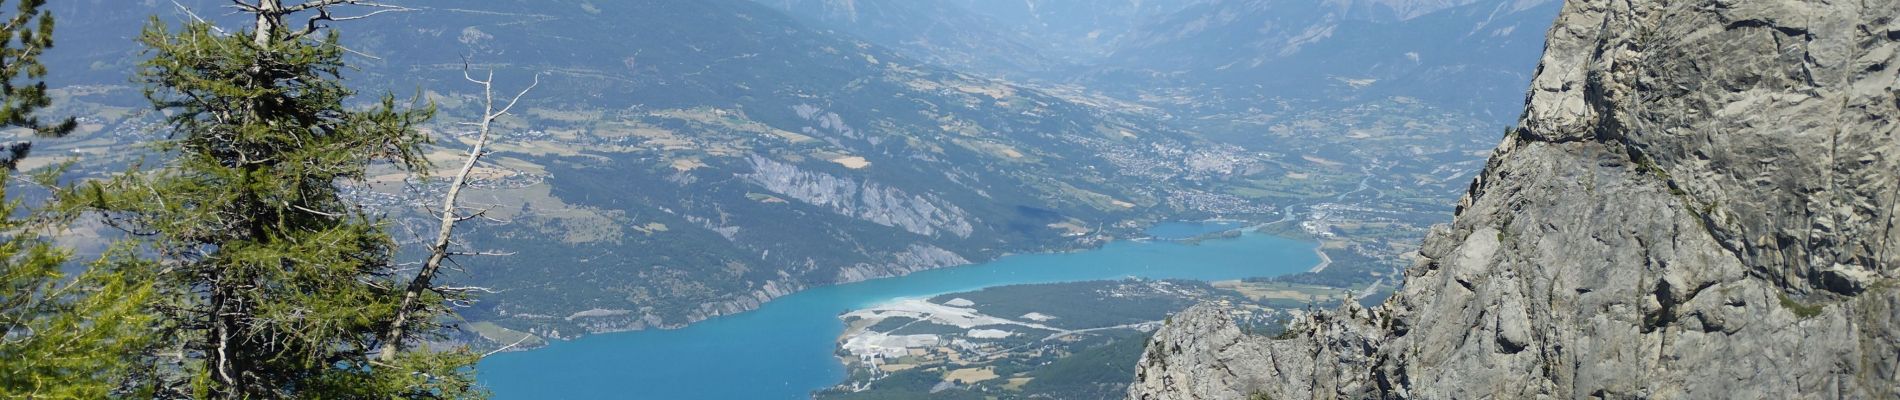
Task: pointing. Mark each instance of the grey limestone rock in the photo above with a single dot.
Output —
(1699, 202)
(924, 214)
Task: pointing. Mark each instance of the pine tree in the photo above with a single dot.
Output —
(60, 336)
(65, 337)
(272, 284)
(27, 34)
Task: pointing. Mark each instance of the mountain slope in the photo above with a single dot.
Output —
(938, 32)
(1699, 202)
(683, 160)
(1037, 39)
(1447, 52)
(1462, 53)
(1379, 110)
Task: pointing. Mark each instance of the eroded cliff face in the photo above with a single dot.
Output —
(1699, 202)
(923, 214)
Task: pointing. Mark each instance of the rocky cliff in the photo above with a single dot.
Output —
(1699, 201)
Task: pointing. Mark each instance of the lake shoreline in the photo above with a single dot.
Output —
(1324, 260)
(788, 343)
(750, 301)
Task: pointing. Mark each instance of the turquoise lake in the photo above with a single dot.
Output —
(784, 349)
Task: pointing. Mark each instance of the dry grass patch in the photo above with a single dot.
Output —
(971, 375)
(896, 367)
(1321, 161)
(852, 162)
(687, 164)
(1016, 383)
(505, 336)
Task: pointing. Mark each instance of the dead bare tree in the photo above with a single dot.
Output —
(439, 251)
(270, 16)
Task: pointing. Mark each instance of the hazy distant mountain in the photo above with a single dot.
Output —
(1006, 38)
(1087, 28)
(1473, 55)
(1476, 54)
(938, 32)
(1390, 10)
(686, 159)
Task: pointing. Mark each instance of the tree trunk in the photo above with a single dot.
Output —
(269, 19)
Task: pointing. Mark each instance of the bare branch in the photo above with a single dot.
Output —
(372, 13)
(464, 289)
(465, 75)
(353, 51)
(323, 14)
(517, 99)
(270, 14)
(326, 3)
(477, 214)
(481, 253)
(194, 16)
(326, 214)
(439, 252)
(245, 7)
(524, 338)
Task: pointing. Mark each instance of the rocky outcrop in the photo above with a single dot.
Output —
(1202, 354)
(913, 259)
(923, 214)
(1699, 202)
